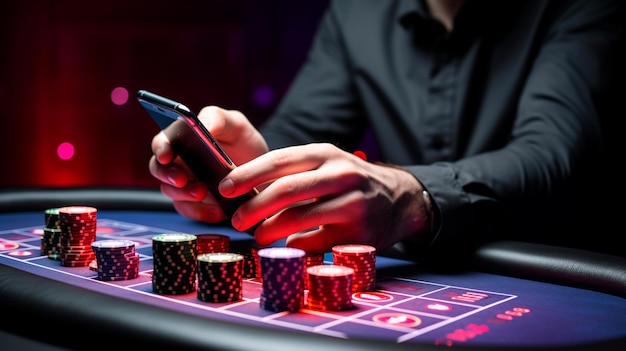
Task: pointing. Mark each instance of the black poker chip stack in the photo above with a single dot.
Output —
(174, 258)
(51, 234)
(220, 277)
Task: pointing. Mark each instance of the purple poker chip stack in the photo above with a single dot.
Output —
(116, 259)
(282, 272)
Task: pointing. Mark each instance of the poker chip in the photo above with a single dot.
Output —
(51, 217)
(311, 259)
(362, 259)
(174, 258)
(208, 243)
(51, 234)
(330, 288)
(115, 260)
(255, 262)
(77, 226)
(282, 273)
(220, 277)
(248, 250)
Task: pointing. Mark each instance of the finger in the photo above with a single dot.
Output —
(286, 192)
(171, 173)
(292, 189)
(322, 239)
(224, 125)
(271, 166)
(237, 136)
(192, 191)
(200, 211)
(162, 149)
(327, 212)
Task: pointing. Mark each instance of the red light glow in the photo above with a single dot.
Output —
(106, 230)
(119, 96)
(8, 245)
(65, 151)
(471, 331)
(21, 253)
(372, 296)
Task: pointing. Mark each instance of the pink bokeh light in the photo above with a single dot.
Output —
(119, 96)
(65, 151)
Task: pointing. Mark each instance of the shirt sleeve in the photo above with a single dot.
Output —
(546, 183)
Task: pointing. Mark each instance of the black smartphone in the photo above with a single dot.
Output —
(194, 144)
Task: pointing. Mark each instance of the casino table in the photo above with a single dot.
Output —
(507, 296)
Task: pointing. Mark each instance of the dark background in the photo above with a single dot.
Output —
(62, 59)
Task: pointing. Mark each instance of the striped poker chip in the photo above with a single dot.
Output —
(282, 274)
(354, 250)
(174, 258)
(362, 259)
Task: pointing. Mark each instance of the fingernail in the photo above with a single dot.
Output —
(157, 152)
(193, 190)
(171, 177)
(226, 187)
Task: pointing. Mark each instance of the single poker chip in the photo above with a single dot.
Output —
(330, 271)
(77, 210)
(112, 244)
(174, 238)
(220, 257)
(354, 250)
(281, 253)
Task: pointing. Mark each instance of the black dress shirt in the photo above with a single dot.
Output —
(500, 120)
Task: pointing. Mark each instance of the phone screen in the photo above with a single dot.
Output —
(194, 144)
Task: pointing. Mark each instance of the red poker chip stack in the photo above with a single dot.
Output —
(210, 243)
(311, 259)
(361, 258)
(330, 288)
(78, 231)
